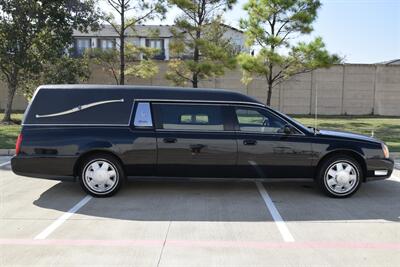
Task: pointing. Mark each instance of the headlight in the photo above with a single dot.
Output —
(385, 150)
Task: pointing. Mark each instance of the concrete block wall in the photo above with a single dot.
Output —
(349, 89)
(387, 91)
(327, 87)
(358, 89)
(296, 94)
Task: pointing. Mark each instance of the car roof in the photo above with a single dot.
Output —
(164, 92)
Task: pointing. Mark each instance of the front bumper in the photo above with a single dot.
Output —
(376, 169)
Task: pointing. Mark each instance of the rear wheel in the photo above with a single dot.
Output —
(340, 176)
(101, 175)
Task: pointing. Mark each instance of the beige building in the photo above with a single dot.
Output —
(154, 36)
(391, 62)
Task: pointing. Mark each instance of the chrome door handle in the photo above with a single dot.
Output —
(170, 140)
(197, 146)
(249, 142)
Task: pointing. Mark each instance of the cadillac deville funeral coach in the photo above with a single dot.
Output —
(101, 135)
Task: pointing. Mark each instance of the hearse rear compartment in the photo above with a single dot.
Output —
(79, 107)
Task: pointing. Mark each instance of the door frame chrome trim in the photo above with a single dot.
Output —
(205, 102)
(84, 125)
(226, 103)
(178, 101)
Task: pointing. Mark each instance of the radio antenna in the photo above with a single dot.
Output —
(316, 109)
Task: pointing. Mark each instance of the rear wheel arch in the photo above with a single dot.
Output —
(350, 153)
(87, 154)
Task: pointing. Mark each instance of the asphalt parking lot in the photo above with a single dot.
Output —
(200, 223)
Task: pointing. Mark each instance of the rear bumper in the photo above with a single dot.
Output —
(54, 168)
(377, 168)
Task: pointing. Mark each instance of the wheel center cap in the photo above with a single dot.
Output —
(342, 177)
(100, 176)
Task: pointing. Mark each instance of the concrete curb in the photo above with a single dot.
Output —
(7, 152)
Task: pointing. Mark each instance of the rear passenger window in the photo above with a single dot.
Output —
(189, 117)
(143, 115)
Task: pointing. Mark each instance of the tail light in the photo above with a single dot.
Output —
(18, 144)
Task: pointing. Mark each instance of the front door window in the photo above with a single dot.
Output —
(255, 120)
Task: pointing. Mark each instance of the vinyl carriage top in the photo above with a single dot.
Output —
(162, 92)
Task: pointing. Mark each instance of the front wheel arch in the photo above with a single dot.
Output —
(350, 153)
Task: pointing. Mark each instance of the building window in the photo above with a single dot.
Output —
(81, 44)
(105, 44)
(155, 43)
(158, 44)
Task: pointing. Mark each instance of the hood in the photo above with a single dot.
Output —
(347, 135)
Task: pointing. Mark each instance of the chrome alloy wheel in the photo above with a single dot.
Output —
(100, 176)
(341, 177)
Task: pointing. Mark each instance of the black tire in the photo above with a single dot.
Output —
(113, 165)
(323, 177)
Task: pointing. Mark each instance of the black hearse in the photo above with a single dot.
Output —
(103, 134)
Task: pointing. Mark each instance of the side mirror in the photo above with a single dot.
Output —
(287, 129)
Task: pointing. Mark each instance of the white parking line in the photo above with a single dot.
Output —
(280, 223)
(5, 163)
(57, 223)
(395, 177)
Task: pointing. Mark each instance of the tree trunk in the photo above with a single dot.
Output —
(270, 82)
(12, 88)
(195, 80)
(269, 94)
(122, 47)
(196, 59)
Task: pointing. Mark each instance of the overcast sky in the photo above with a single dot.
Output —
(362, 31)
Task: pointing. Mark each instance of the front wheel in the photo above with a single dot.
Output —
(101, 175)
(340, 176)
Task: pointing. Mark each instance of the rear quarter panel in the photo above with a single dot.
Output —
(53, 150)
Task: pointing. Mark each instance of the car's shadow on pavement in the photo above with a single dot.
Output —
(229, 202)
